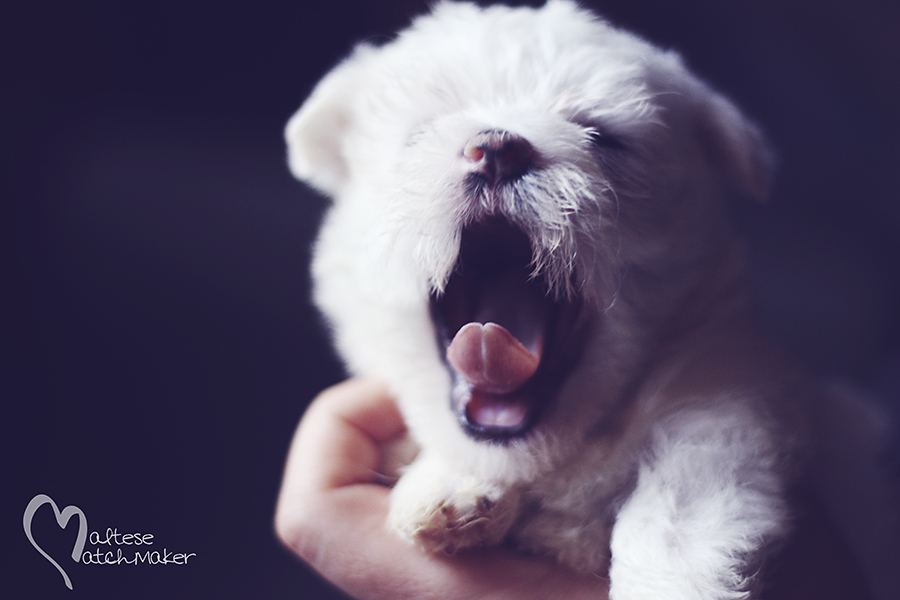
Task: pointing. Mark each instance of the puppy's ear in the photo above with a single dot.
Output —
(316, 133)
(736, 148)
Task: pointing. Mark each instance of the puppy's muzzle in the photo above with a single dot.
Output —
(496, 157)
(507, 340)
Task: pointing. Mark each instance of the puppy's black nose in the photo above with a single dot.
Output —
(499, 156)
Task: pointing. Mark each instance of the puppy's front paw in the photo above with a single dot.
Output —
(444, 511)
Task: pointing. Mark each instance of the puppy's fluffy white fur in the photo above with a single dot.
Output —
(664, 452)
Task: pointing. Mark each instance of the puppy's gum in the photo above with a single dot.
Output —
(490, 358)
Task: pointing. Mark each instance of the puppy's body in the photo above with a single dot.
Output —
(622, 408)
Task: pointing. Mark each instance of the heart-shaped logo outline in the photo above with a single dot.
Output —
(62, 519)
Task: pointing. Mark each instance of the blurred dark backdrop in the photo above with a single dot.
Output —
(158, 343)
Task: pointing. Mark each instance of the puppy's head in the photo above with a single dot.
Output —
(520, 196)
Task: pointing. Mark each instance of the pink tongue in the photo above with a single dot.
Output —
(491, 358)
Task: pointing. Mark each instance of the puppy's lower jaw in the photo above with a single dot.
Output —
(445, 511)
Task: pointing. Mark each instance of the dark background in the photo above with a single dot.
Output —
(158, 343)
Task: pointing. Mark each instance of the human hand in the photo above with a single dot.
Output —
(332, 512)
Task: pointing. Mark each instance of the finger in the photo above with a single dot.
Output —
(336, 443)
(366, 405)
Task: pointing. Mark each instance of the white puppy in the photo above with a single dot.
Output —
(529, 240)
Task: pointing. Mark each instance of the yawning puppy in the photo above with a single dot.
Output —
(530, 241)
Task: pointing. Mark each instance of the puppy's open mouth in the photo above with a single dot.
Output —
(508, 341)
